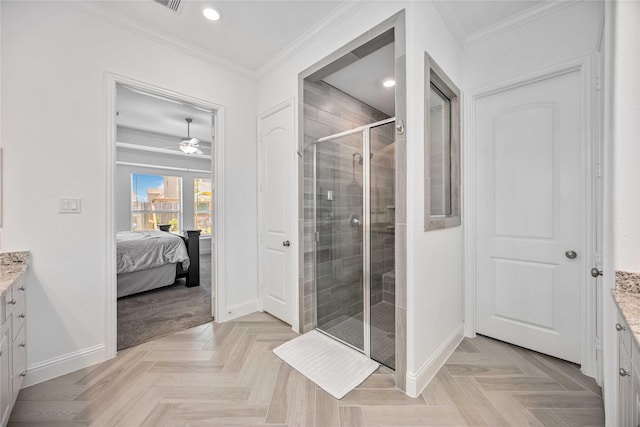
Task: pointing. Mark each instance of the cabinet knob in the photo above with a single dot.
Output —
(22, 316)
(21, 288)
(23, 373)
(23, 344)
(12, 302)
(619, 327)
(624, 373)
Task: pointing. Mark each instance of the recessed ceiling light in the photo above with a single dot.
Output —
(212, 14)
(389, 83)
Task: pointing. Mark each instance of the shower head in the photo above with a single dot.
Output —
(360, 157)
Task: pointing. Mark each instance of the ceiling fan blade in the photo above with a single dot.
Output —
(198, 151)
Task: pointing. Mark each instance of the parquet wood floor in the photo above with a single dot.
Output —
(226, 374)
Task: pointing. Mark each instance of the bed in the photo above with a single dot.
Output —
(153, 259)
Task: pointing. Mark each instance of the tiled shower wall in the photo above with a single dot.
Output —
(327, 111)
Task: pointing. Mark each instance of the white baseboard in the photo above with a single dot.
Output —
(416, 382)
(242, 309)
(57, 366)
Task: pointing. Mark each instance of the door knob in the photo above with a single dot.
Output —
(286, 243)
(595, 272)
(571, 254)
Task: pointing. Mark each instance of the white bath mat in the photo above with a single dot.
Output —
(333, 366)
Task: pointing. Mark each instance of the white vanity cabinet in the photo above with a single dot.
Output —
(628, 375)
(635, 386)
(13, 345)
(5, 372)
(625, 370)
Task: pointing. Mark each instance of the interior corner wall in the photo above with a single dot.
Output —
(626, 138)
(55, 61)
(434, 282)
(434, 270)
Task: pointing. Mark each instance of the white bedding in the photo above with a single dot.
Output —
(142, 250)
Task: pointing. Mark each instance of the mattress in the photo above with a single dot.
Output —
(144, 280)
(143, 250)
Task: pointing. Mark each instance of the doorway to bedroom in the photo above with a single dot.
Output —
(164, 192)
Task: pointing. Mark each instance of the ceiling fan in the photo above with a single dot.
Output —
(189, 145)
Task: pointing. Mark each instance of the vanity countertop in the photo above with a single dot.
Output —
(12, 265)
(627, 297)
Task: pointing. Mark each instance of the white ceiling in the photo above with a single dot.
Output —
(249, 34)
(466, 18)
(363, 79)
(252, 32)
(475, 15)
(161, 116)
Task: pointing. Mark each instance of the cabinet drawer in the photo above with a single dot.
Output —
(624, 334)
(19, 288)
(3, 309)
(19, 360)
(19, 316)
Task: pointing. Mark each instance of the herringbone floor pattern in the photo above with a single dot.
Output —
(226, 374)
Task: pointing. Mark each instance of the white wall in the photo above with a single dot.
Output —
(55, 61)
(434, 285)
(434, 271)
(570, 33)
(626, 152)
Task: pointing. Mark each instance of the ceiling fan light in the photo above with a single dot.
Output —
(188, 149)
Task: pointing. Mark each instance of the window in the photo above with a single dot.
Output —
(202, 204)
(440, 153)
(155, 200)
(442, 149)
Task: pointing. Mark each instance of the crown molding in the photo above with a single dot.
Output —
(96, 10)
(314, 33)
(519, 19)
(448, 15)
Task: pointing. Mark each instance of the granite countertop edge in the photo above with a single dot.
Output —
(627, 297)
(12, 265)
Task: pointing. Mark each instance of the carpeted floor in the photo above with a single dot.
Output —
(159, 312)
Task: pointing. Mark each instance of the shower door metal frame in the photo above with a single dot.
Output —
(366, 229)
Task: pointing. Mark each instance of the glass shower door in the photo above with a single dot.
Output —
(382, 244)
(339, 221)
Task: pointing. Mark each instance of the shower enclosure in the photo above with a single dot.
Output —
(354, 219)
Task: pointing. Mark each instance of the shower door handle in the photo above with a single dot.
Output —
(286, 243)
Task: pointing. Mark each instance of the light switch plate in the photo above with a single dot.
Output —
(70, 205)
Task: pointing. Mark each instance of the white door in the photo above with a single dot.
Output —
(529, 216)
(276, 211)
